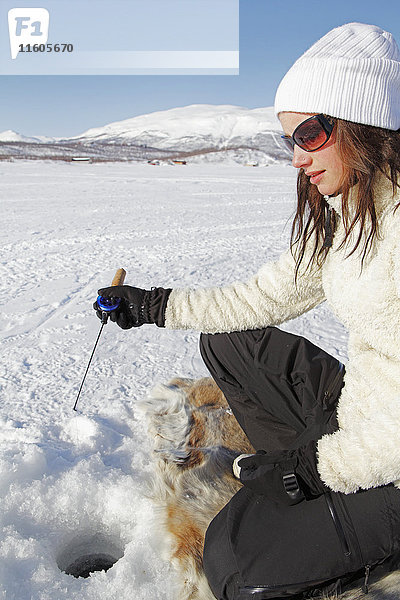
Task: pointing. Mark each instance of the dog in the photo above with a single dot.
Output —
(196, 438)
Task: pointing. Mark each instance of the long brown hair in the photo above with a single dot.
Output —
(366, 152)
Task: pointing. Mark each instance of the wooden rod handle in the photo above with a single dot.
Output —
(119, 277)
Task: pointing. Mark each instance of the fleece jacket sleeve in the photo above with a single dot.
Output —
(269, 298)
(351, 459)
(365, 451)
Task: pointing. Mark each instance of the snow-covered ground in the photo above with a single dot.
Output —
(72, 482)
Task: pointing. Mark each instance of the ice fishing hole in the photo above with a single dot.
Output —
(89, 552)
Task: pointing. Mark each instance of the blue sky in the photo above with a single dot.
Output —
(273, 33)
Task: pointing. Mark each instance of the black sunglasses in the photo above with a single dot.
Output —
(311, 134)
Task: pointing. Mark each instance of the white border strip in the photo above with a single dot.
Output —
(182, 59)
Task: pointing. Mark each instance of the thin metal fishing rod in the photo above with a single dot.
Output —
(106, 305)
(90, 360)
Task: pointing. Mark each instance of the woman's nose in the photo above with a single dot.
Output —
(301, 158)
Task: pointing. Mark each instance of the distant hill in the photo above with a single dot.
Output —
(14, 136)
(196, 133)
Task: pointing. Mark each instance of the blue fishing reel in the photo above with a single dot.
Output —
(107, 305)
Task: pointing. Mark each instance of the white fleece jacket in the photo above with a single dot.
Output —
(365, 451)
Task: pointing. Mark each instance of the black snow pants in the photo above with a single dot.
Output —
(283, 390)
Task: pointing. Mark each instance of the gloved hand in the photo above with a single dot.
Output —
(272, 475)
(137, 306)
(286, 476)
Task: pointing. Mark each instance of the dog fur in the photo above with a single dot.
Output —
(196, 438)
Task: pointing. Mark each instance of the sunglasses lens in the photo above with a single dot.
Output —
(310, 135)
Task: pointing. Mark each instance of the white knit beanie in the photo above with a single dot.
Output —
(351, 73)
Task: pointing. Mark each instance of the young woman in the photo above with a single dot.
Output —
(321, 501)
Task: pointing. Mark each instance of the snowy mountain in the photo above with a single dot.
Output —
(189, 128)
(199, 133)
(13, 136)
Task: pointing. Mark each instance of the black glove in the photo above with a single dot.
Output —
(137, 306)
(287, 477)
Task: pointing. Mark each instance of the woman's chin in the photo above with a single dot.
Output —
(327, 190)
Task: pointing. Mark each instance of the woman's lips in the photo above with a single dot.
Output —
(316, 176)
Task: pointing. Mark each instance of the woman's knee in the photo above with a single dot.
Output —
(222, 344)
(227, 355)
(213, 344)
(213, 349)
